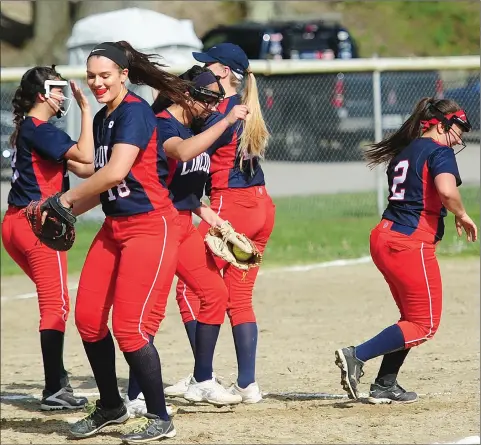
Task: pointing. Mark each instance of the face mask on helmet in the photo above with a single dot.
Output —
(49, 95)
(459, 118)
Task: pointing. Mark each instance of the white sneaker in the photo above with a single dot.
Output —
(178, 389)
(137, 407)
(210, 391)
(251, 394)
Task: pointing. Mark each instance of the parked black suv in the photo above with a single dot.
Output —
(287, 40)
(321, 117)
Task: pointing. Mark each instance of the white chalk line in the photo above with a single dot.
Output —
(288, 269)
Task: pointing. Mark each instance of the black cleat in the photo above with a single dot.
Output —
(98, 418)
(381, 394)
(351, 370)
(63, 399)
(150, 428)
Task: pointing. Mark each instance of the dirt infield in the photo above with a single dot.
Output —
(303, 317)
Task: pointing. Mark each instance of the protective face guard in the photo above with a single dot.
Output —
(207, 96)
(460, 118)
(48, 85)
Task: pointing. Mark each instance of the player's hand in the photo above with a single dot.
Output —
(237, 112)
(466, 223)
(80, 97)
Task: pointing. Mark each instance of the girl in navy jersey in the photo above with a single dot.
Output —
(132, 260)
(238, 194)
(423, 177)
(189, 167)
(42, 156)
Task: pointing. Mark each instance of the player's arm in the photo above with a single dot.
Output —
(444, 169)
(84, 205)
(118, 167)
(81, 170)
(186, 149)
(449, 193)
(83, 150)
(208, 215)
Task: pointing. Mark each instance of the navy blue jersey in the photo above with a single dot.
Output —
(414, 203)
(225, 171)
(39, 167)
(143, 189)
(186, 180)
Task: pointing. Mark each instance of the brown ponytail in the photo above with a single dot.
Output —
(383, 152)
(144, 71)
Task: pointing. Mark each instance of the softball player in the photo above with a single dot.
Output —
(141, 223)
(423, 178)
(238, 194)
(41, 159)
(188, 171)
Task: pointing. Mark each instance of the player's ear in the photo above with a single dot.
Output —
(41, 97)
(124, 75)
(440, 128)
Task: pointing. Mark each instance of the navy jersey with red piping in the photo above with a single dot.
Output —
(414, 203)
(38, 164)
(143, 189)
(225, 169)
(186, 180)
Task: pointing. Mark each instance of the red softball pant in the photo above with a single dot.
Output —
(129, 266)
(46, 267)
(252, 212)
(411, 270)
(196, 268)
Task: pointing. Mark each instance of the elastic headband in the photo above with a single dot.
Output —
(458, 117)
(112, 51)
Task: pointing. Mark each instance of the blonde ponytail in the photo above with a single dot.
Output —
(255, 136)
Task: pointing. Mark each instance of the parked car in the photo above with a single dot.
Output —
(321, 117)
(315, 39)
(468, 97)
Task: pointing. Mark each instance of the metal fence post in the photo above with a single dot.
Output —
(376, 89)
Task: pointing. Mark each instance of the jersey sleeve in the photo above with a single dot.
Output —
(51, 142)
(443, 160)
(225, 137)
(167, 129)
(135, 126)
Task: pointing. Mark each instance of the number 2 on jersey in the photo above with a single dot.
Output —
(398, 194)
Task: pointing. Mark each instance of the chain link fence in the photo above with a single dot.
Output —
(319, 124)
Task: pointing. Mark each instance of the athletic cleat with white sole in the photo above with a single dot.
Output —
(63, 399)
(210, 391)
(150, 428)
(178, 389)
(98, 418)
(379, 394)
(351, 370)
(250, 394)
(138, 408)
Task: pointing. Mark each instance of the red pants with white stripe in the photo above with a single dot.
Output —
(47, 268)
(129, 268)
(197, 269)
(252, 212)
(411, 270)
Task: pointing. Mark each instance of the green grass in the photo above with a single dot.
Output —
(327, 227)
(309, 229)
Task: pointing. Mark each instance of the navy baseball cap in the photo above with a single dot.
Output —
(226, 53)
